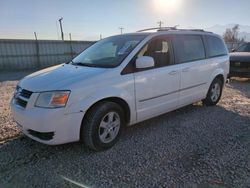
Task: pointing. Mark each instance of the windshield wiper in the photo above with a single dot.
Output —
(68, 62)
(91, 65)
(83, 64)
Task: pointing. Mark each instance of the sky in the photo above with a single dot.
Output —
(88, 19)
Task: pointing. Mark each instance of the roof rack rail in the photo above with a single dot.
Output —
(172, 28)
(159, 29)
(148, 29)
(202, 30)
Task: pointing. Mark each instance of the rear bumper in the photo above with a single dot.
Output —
(48, 126)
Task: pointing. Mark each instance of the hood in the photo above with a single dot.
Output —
(58, 77)
(240, 56)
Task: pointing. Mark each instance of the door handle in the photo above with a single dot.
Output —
(173, 72)
(186, 69)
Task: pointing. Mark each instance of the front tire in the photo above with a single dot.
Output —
(214, 92)
(102, 126)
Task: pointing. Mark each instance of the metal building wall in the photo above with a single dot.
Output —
(37, 54)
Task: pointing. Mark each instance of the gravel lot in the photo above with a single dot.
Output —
(8, 81)
(195, 146)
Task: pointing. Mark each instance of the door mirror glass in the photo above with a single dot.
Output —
(144, 62)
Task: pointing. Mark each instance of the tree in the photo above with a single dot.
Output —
(232, 34)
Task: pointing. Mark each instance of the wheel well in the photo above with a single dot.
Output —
(221, 77)
(123, 104)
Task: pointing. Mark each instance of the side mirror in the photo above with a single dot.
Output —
(144, 62)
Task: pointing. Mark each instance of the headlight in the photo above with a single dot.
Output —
(53, 99)
(17, 91)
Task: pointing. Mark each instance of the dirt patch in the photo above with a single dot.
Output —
(8, 127)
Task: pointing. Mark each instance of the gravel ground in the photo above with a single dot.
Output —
(8, 128)
(8, 81)
(195, 146)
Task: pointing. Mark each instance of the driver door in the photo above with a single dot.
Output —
(157, 88)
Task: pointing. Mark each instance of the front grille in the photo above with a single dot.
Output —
(21, 102)
(22, 96)
(25, 93)
(240, 64)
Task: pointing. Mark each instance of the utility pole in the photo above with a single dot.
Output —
(70, 37)
(100, 36)
(121, 28)
(35, 35)
(57, 31)
(71, 47)
(60, 20)
(37, 51)
(160, 24)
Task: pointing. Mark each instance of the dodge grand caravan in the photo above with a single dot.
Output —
(120, 81)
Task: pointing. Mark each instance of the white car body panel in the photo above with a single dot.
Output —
(194, 78)
(147, 93)
(66, 126)
(150, 101)
(56, 77)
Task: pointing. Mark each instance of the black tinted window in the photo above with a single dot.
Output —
(215, 46)
(244, 48)
(189, 48)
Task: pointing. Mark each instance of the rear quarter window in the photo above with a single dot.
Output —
(189, 48)
(215, 47)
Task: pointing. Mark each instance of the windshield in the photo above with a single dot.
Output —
(244, 48)
(109, 52)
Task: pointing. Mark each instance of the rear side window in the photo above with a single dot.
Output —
(215, 47)
(189, 48)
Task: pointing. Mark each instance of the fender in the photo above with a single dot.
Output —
(85, 103)
(216, 72)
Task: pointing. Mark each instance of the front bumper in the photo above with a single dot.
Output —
(48, 126)
(239, 69)
(235, 73)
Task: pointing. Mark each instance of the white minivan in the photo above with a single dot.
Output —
(120, 81)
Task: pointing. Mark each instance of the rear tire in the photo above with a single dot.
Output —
(102, 126)
(214, 93)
